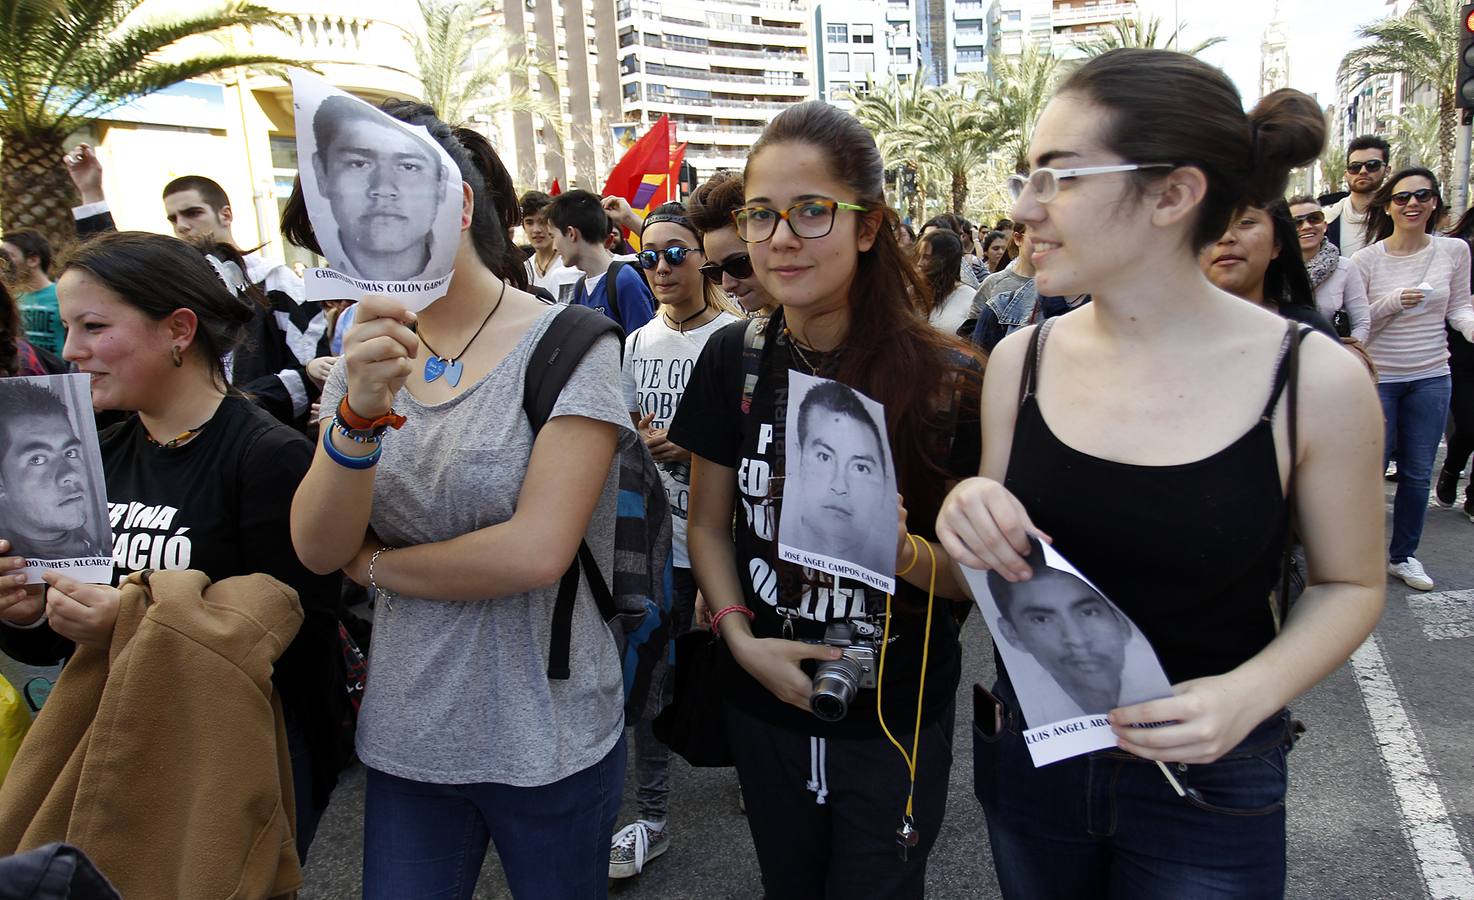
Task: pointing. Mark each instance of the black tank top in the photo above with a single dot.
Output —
(1190, 552)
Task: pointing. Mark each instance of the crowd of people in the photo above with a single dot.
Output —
(1202, 423)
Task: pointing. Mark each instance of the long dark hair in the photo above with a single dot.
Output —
(943, 268)
(891, 353)
(994, 235)
(495, 198)
(129, 264)
(11, 332)
(1286, 281)
(1379, 218)
(1168, 107)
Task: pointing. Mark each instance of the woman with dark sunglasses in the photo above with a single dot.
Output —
(727, 263)
(1416, 280)
(1340, 294)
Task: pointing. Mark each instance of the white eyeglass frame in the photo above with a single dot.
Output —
(1018, 183)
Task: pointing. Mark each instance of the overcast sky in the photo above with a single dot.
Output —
(1319, 33)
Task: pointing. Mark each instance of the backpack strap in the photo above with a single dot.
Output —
(1288, 379)
(753, 339)
(558, 352)
(611, 281)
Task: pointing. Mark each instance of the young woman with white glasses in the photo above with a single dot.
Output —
(1149, 438)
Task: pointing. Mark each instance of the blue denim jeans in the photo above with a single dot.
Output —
(429, 840)
(1414, 413)
(1107, 825)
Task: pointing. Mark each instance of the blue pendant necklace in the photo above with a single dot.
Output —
(437, 365)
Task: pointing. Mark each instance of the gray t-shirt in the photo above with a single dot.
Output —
(458, 692)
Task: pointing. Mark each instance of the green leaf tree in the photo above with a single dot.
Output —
(463, 65)
(1142, 33)
(1414, 136)
(1014, 95)
(1422, 46)
(64, 63)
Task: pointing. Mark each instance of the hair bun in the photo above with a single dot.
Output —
(1288, 130)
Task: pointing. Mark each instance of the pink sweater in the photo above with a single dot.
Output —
(1409, 344)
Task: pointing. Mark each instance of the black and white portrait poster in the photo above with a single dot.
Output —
(840, 511)
(1071, 654)
(384, 199)
(53, 501)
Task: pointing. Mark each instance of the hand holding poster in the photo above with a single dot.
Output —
(840, 509)
(1071, 654)
(384, 199)
(53, 502)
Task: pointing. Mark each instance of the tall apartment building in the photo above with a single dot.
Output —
(721, 69)
(575, 38)
(1060, 26)
(855, 42)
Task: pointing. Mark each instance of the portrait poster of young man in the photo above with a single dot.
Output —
(840, 508)
(53, 500)
(1071, 653)
(386, 199)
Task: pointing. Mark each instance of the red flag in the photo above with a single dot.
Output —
(556, 189)
(650, 155)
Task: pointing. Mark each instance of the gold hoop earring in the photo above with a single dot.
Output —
(177, 356)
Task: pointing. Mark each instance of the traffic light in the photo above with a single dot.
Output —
(1464, 92)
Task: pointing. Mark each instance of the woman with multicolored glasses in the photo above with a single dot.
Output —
(1416, 280)
(828, 801)
(1340, 294)
(658, 359)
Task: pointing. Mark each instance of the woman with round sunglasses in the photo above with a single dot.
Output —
(1416, 280)
(728, 264)
(1149, 438)
(1340, 294)
(658, 358)
(827, 801)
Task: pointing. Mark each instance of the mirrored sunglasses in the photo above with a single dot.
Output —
(649, 259)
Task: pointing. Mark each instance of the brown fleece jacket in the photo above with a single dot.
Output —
(164, 757)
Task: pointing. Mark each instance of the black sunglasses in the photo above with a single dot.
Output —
(1373, 166)
(1422, 195)
(1313, 218)
(649, 259)
(738, 267)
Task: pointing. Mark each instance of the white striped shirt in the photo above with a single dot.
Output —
(1410, 344)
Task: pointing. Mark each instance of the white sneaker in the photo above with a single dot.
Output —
(636, 845)
(1412, 574)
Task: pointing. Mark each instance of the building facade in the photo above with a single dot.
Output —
(1060, 26)
(576, 39)
(721, 69)
(856, 42)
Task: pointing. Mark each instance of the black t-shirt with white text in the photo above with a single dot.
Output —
(711, 424)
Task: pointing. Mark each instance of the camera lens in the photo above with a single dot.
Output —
(835, 685)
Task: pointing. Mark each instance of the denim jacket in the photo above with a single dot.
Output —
(1015, 309)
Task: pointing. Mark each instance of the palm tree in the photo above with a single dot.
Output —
(1014, 95)
(1414, 136)
(462, 66)
(66, 62)
(1332, 166)
(881, 108)
(1142, 33)
(1421, 45)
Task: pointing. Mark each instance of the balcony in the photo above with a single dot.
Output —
(1084, 15)
(362, 46)
(702, 75)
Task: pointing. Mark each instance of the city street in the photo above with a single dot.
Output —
(1381, 796)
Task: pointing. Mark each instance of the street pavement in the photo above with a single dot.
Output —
(1381, 801)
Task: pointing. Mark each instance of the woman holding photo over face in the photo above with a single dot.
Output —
(464, 524)
(826, 799)
(199, 477)
(1147, 436)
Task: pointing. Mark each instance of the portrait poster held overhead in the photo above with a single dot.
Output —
(1071, 654)
(53, 500)
(840, 510)
(384, 199)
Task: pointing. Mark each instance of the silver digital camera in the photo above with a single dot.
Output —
(837, 681)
